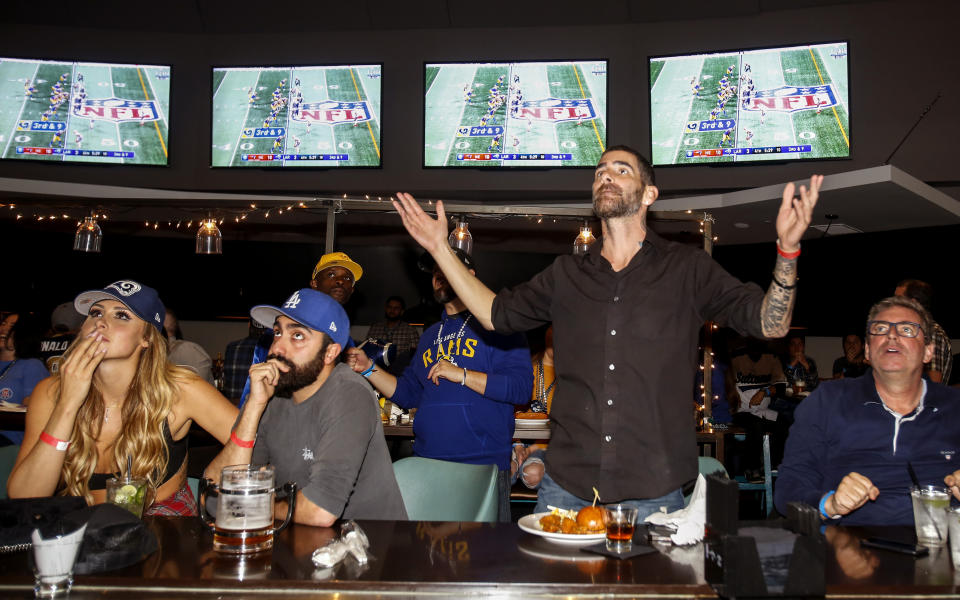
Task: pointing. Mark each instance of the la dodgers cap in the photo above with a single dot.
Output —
(337, 259)
(311, 308)
(142, 300)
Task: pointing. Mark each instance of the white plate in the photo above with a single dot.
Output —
(531, 524)
(542, 548)
(532, 423)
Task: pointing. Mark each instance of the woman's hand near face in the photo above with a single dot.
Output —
(76, 371)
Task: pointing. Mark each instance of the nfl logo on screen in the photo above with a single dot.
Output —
(556, 110)
(118, 109)
(789, 98)
(332, 112)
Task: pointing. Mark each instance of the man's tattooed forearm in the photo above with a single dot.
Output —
(777, 308)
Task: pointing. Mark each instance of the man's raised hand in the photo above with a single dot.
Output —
(796, 213)
(428, 232)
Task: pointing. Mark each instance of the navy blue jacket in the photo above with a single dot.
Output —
(843, 426)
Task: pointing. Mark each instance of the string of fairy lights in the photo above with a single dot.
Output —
(89, 233)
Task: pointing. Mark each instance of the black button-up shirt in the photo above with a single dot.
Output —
(625, 354)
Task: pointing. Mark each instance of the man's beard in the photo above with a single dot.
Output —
(299, 376)
(445, 294)
(620, 207)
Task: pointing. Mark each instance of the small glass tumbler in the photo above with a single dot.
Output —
(621, 520)
(53, 566)
(930, 504)
(953, 527)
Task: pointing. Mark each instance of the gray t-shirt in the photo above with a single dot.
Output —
(332, 445)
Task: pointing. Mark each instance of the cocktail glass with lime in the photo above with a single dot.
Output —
(128, 493)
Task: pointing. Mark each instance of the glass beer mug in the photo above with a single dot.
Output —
(244, 522)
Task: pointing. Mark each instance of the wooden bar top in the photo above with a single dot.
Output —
(454, 560)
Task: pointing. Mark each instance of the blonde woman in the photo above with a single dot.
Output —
(116, 396)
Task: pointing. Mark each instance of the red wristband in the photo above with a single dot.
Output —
(60, 445)
(242, 443)
(787, 255)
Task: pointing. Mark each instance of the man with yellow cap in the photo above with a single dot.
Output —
(335, 275)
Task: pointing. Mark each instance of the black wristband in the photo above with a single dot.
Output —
(783, 285)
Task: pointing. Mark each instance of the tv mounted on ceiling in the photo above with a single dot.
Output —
(296, 116)
(87, 112)
(749, 106)
(515, 114)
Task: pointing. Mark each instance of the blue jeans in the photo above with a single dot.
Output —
(553, 495)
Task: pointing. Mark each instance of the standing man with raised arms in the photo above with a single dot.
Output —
(626, 317)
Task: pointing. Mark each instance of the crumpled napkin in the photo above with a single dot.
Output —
(689, 521)
(352, 540)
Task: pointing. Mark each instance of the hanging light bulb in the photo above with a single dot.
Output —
(209, 240)
(584, 240)
(461, 237)
(88, 236)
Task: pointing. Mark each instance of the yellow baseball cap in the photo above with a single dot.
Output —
(338, 259)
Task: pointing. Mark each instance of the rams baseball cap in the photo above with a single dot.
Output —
(311, 308)
(337, 259)
(426, 262)
(142, 300)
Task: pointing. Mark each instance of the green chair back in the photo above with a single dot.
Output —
(8, 456)
(707, 465)
(439, 490)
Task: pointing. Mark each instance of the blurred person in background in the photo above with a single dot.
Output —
(20, 365)
(939, 368)
(800, 369)
(237, 360)
(186, 354)
(397, 332)
(852, 363)
(65, 322)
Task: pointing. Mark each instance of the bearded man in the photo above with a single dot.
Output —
(625, 321)
(314, 419)
(464, 382)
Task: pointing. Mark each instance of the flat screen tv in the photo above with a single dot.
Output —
(296, 116)
(741, 106)
(515, 114)
(65, 111)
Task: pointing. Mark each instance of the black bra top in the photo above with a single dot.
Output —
(177, 455)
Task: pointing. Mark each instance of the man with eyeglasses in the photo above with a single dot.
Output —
(854, 440)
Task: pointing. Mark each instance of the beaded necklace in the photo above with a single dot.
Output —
(540, 404)
(441, 355)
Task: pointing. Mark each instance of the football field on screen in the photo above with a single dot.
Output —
(800, 98)
(338, 114)
(124, 109)
(552, 95)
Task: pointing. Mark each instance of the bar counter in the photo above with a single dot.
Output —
(454, 560)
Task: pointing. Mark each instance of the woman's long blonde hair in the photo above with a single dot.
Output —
(148, 404)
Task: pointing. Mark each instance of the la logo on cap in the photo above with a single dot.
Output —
(333, 326)
(292, 301)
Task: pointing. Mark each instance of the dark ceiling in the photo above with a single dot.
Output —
(226, 16)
